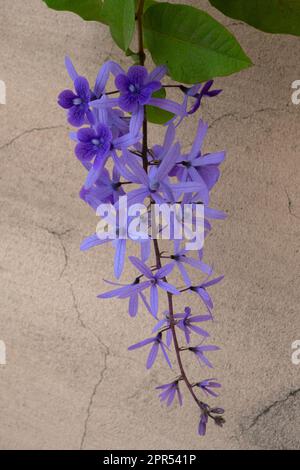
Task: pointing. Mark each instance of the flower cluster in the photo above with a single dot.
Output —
(112, 145)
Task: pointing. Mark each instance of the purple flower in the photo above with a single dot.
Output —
(154, 184)
(198, 95)
(202, 424)
(131, 291)
(155, 280)
(202, 292)
(135, 88)
(203, 169)
(207, 385)
(93, 143)
(98, 143)
(164, 323)
(180, 258)
(169, 391)
(199, 352)
(186, 322)
(76, 103)
(157, 344)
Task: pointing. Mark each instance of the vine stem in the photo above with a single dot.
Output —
(142, 58)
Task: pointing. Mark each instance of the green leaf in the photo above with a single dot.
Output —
(157, 115)
(272, 16)
(90, 10)
(120, 15)
(149, 3)
(193, 45)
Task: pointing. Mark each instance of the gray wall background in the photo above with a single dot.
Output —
(69, 381)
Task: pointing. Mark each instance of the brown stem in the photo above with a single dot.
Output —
(139, 19)
(142, 58)
(174, 334)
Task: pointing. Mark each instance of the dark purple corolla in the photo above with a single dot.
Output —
(136, 88)
(77, 103)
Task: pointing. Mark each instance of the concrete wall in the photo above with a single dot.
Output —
(69, 381)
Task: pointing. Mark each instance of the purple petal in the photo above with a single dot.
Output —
(171, 396)
(200, 318)
(91, 241)
(210, 175)
(159, 325)
(129, 102)
(136, 121)
(197, 264)
(86, 134)
(70, 68)
(137, 75)
(119, 257)
(142, 343)
(85, 151)
(210, 159)
(65, 99)
(205, 297)
(145, 250)
(168, 162)
(76, 115)
(157, 74)
(122, 83)
(124, 291)
(82, 88)
(208, 347)
(138, 170)
(212, 282)
(152, 355)
(199, 331)
(125, 141)
(165, 354)
(154, 300)
(168, 287)
(137, 195)
(201, 132)
(141, 267)
(133, 304)
(202, 425)
(102, 79)
(167, 105)
(184, 274)
(165, 270)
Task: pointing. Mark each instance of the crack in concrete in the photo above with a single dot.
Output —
(106, 352)
(104, 348)
(290, 205)
(248, 116)
(29, 131)
(269, 407)
(91, 400)
(59, 236)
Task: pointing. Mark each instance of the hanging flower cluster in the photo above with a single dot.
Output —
(112, 145)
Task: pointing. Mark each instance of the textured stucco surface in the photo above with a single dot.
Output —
(69, 381)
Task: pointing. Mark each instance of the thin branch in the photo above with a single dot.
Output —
(155, 242)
